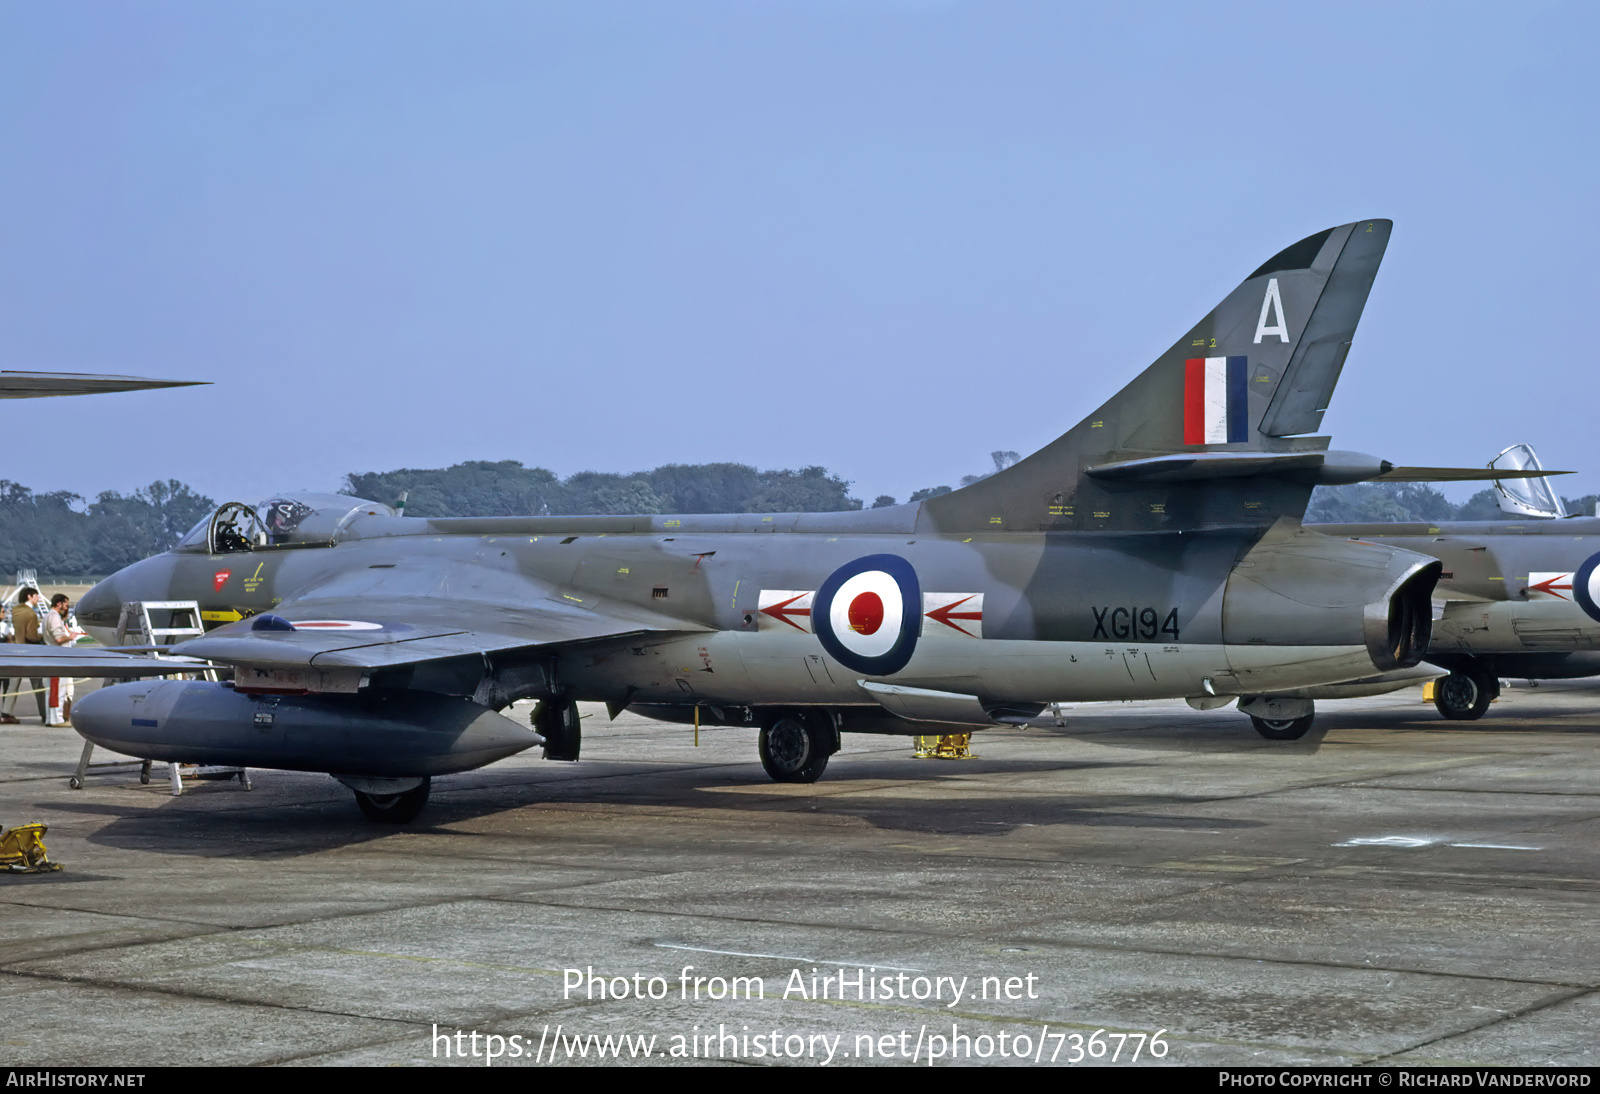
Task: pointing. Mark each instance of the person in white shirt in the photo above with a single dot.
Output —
(58, 632)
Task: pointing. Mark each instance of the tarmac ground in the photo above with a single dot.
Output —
(1393, 888)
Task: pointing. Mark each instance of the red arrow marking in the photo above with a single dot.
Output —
(782, 611)
(948, 613)
(1552, 585)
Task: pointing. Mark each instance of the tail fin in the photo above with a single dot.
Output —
(1246, 379)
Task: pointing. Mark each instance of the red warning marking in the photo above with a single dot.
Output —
(866, 613)
(948, 615)
(1554, 585)
(220, 578)
(781, 610)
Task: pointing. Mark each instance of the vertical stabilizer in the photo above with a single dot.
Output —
(1251, 376)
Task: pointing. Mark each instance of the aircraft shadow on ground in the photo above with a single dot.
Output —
(221, 821)
(207, 825)
(192, 826)
(1235, 734)
(1219, 737)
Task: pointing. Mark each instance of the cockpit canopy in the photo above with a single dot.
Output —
(1525, 497)
(285, 520)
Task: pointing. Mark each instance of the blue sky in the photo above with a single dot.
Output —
(885, 237)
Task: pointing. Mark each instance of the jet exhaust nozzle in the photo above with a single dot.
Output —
(1299, 588)
(1399, 627)
(381, 733)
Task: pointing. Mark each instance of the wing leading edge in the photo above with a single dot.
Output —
(373, 632)
(18, 660)
(34, 385)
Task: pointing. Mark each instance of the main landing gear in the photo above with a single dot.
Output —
(1278, 717)
(1465, 695)
(795, 746)
(1282, 729)
(556, 720)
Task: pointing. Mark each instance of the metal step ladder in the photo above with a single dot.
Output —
(138, 628)
(21, 580)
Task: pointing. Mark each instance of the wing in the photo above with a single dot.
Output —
(32, 385)
(378, 631)
(39, 661)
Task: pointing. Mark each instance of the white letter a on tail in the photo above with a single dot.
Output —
(1272, 305)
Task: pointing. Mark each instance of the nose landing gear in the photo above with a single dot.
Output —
(397, 808)
(386, 800)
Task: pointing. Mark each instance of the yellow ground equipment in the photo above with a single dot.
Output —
(952, 746)
(22, 850)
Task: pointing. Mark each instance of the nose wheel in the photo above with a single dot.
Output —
(795, 748)
(401, 808)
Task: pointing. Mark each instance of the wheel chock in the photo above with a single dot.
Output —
(950, 746)
(22, 850)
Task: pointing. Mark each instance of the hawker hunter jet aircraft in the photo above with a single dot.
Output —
(1154, 550)
(1518, 597)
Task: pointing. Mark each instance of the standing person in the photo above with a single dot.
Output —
(7, 685)
(25, 631)
(57, 632)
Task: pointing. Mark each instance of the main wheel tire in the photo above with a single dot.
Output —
(1462, 697)
(1282, 729)
(556, 720)
(399, 808)
(794, 750)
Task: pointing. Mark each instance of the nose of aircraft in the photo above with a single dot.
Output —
(100, 609)
(101, 606)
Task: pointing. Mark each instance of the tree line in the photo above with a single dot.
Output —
(504, 488)
(1411, 501)
(61, 533)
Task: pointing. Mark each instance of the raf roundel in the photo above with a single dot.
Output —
(867, 614)
(1586, 586)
